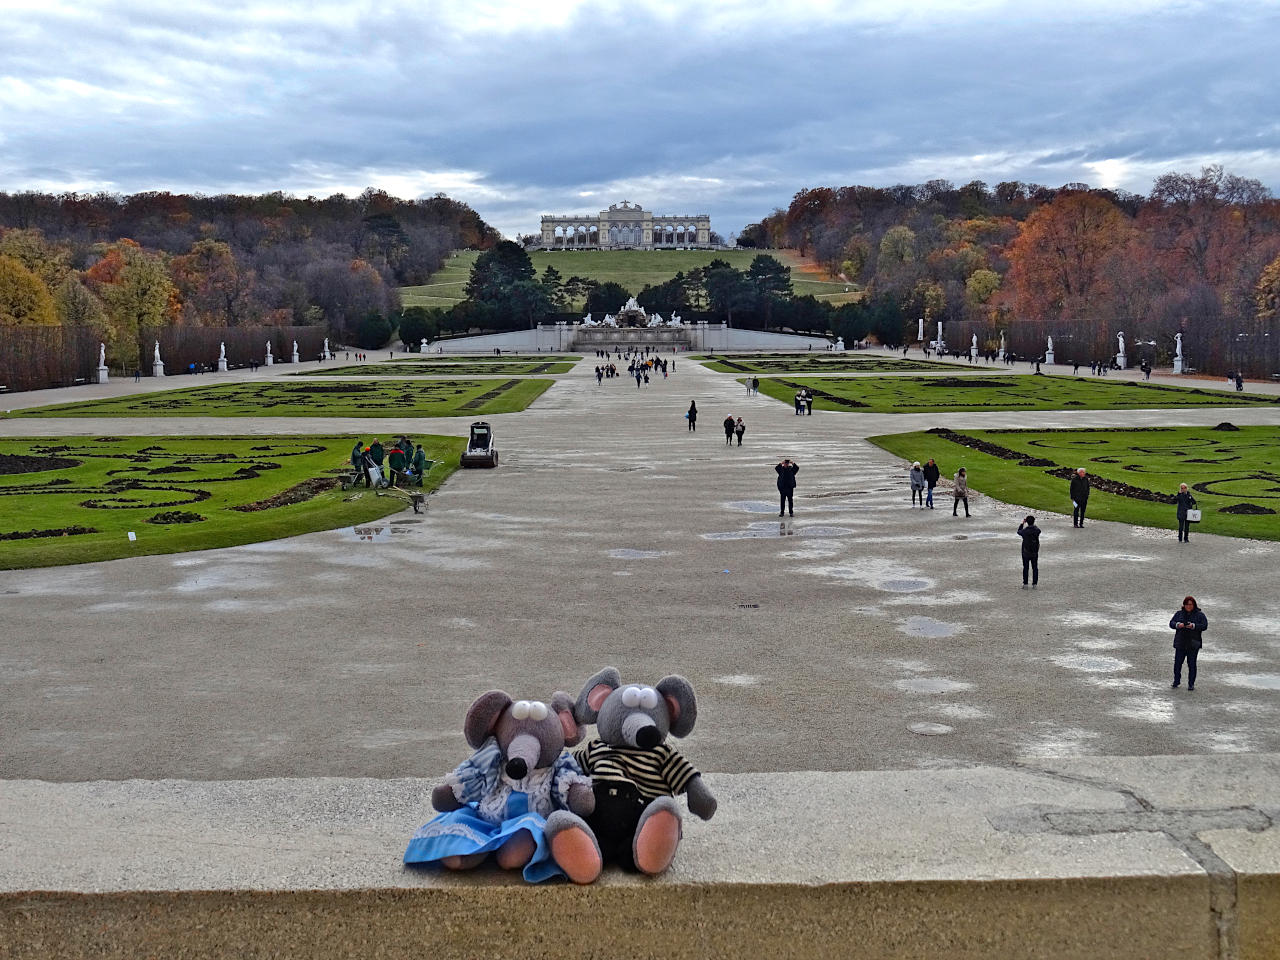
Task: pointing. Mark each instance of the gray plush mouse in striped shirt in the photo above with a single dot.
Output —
(636, 776)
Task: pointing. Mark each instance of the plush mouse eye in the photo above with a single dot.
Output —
(648, 698)
(537, 710)
(631, 696)
(520, 709)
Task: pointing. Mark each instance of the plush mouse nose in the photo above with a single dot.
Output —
(647, 737)
(517, 768)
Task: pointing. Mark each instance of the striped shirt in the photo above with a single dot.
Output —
(655, 773)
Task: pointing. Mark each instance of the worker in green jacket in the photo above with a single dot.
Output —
(419, 463)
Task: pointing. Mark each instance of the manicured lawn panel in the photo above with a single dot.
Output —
(116, 485)
(378, 398)
(1224, 470)
(396, 368)
(818, 362)
(941, 394)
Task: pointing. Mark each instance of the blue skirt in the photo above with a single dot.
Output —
(460, 833)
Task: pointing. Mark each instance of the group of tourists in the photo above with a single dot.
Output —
(405, 462)
(804, 402)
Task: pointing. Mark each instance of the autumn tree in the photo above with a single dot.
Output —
(76, 306)
(24, 299)
(30, 248)
(1057, 261)
(214, 290)
(139, 297)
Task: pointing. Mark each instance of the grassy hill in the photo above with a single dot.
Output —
(631, 268)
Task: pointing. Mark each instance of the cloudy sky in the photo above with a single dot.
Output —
(562, 106)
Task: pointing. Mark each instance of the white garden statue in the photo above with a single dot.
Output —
(155, 357)
(102, 363)
(1177, 354)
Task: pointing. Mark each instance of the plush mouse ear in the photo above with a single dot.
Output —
(562, 705)
(482, 717)
(594, 693)
(682, 705)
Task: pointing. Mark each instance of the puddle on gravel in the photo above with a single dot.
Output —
(752, 506)
(932, 685)
(929, 627)
(930, 729)
(1091, 663)
(1100, 644)
(1153, 709)
(904, 586)
(739, 680)
(788, 528)
(1252, 681)
(378, 533)
(960, 711)
(627, 553)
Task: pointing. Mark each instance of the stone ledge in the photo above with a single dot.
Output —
(1065, 859)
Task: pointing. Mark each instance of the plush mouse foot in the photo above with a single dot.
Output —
(463, 863)
(517, 851)
(574, 847)
(657, 837)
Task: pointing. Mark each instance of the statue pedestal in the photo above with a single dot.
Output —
(102, 374)
(840, 344)
(270, 361)
(222, 364)
(1177, 365)
(157, 368)
(1000, 355)
(1122, 361)
(1048, 357)
(295, 356)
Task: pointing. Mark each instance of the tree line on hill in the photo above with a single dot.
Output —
(127, 266)
(504, 292)
(1200, 254)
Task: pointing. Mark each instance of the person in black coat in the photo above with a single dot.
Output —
(787, 486)
(1079, 496)
(931, 475)
(692, 415)
(1030, 535)
(1188, 623)
(1185, 502)
(728, 431)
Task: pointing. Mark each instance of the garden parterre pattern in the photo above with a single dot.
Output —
(821, 363)
(73, 500)
(967, 393)
(440, 368)
(426, 398)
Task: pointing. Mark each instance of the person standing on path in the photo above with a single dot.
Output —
(1239, 386)
(728, 430)
(1079, 496)
(1030, 535)
(1185, 502)
(1188, 623)
(808, 403)
(931, 476)
(787, 471)
(692, 415)
(916, 476)
(960, 492)
(799, 402)
(739, 428)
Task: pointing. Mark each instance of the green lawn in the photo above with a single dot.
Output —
(818, 362)
(84, 496)
(395, 368)
(1234, 470)
(631, 268)
(381, 398)
(1026, 392)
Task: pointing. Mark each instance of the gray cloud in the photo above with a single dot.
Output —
(521, 109)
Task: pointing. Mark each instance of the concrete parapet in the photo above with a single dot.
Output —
(1069, 860)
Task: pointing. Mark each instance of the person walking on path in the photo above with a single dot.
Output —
(1079, 496)
(1030, 535)
(960, 492)
(739, 428)
(1239, 382)
(755, 386)
(728, 430)
(1188, 623)
(692, 415)
(808, 403)
(916, 476)
(1185, 502)
(787, 471)
(931, 476)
